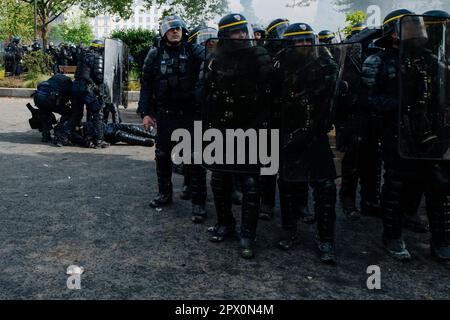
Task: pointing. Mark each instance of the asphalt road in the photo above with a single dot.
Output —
(72, 206)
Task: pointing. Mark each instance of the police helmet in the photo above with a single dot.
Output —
(327, 36)
(173, 22)
(276, 28)
(299, 32)
(234, 22)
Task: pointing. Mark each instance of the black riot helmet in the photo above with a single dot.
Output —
(391, 24)
(276, 28)
(357, 28)
(16, 39)
(437, 14)
(193, 34)
(259, 29)
(205, 34)
(327, 37)
(36, 46)
(173, 22)
(97, 45)
(300, 31)
(234, 22)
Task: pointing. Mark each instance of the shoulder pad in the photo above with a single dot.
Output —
(198, 51)
(371, 69)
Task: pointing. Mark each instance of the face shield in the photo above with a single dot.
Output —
(413, 33)
(172, 22)
(278, 29)
(205, 34)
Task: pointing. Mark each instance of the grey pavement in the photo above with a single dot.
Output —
(73, 206)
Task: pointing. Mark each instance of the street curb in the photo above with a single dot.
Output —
(26, 93)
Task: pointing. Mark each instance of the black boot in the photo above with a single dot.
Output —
(325, 206)
(101, 144)
(441, 253)
(221, 185)
(287, 240)
(266, 212)
(164, 197)
(396, 249)
(221, 233)
(198, 213)
(438, 210)
(326, 252)
(247, 248)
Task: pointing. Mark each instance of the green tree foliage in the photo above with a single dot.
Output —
(138, 42)
(77, 32)
(16, 19)
(353, 18)
(49, 10)
(195, 12)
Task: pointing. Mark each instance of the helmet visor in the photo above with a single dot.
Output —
(172, 23)
(278, 29)
(206, 34)
(413, 31)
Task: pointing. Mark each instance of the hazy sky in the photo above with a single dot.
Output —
(267, 10)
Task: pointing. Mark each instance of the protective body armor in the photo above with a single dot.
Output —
(90, 68)
(169, 77)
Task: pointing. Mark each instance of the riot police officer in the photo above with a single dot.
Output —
(236, 63)
(275, 31)
(327, 37)
(14, 54)
(53, 96)
(381, 73)
(260, 34)
(86, 91)
(310, 77)
(170, 74)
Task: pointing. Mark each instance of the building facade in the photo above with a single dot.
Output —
(143, 18)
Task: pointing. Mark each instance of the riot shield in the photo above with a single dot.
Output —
(424, 121)
(318, 83)
(125, 71)
(2, 61)
(236, 81)
(114, 73)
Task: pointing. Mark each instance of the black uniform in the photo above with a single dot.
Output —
(357, 135)
(53, 96)
(14, 55)
(113, 133)
(310, 77)
(232, 76)
(380, 76)
(168, 80)
(86, 91)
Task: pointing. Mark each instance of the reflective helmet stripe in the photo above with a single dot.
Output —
(276, 25)
(193, 36)
(358, 28)
(233, 24)
(329, 36)
(395, 18)
(297, 33)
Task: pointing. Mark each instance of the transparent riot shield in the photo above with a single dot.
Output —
(2, 61)
(319, 84)
(236, 81)
(115, 78)
(424, 122)
(125, 71)
(114, 65)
